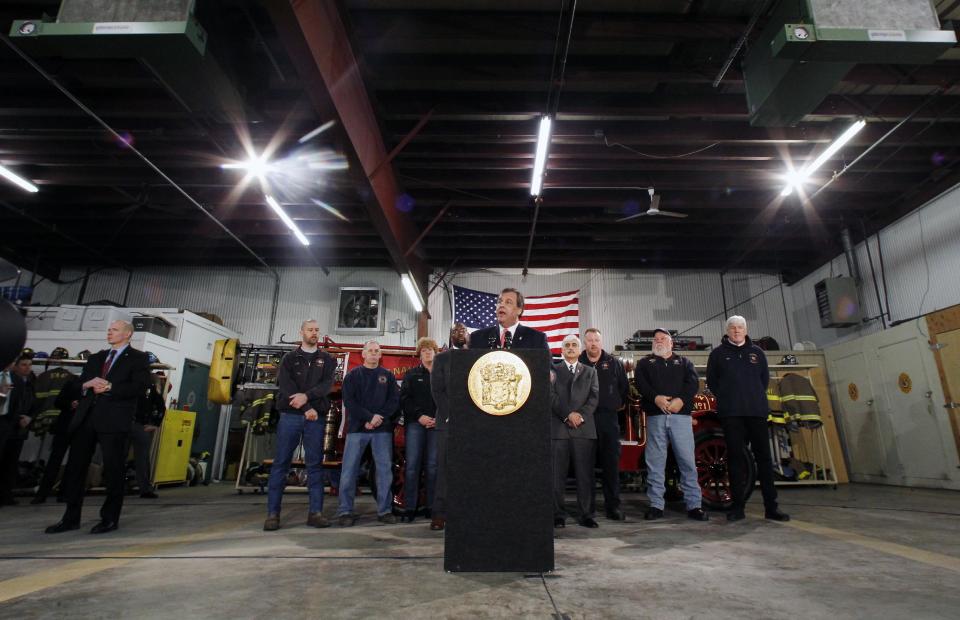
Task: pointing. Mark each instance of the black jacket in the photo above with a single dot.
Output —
(674, 377)
(738, 377)
(614, 386)
(523, 338)
(415, 397)
(22, 402)
(438, 389)
(69, 392)
(298, 376)
(151, 408)
(113, 411)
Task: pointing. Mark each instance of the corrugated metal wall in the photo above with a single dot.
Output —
(921, 257)
(619, 302)
(243, 298)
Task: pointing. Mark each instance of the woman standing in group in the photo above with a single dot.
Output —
(419, 414)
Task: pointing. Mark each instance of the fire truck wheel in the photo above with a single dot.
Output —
(710, 451)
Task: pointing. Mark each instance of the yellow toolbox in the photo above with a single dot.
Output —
(173, 450)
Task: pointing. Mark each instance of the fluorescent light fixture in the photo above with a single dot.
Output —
(286, 220)
(316, 132)
(329, 208)
(796, 178)
(540, 160)
(18, 180)
(413, 293)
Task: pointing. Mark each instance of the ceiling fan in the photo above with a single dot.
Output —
(654, 208)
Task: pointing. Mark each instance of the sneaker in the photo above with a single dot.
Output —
(315, 519)
(387, 518)
(776, 515)
(697, 514)
(652, 514)
(736, 515)
(347, 520)
(272, 523)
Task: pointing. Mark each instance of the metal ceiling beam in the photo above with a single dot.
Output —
(319, 45)
(617, 106)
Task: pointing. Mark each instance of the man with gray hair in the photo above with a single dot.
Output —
(574, 397)
(667, 384)
(738, 376)
(371, 402)
(113, 382)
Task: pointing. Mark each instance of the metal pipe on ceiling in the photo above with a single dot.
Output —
(557, 70)
(880, 140)
(53, 81)
(761, 8)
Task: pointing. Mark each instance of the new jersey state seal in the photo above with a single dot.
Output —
(499, 383)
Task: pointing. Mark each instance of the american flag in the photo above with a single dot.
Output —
(556, 315)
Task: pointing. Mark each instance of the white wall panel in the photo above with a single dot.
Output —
(619, 302)
(308, 293)
(243, 298)
(921, 259)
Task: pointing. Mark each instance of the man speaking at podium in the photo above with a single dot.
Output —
(508, 333)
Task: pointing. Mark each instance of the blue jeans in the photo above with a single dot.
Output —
(677, 431)
(290, 428)
(382, 446)
(419, 440)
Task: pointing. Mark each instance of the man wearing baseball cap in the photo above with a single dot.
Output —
(667, 384)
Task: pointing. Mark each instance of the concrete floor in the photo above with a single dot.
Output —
(857, 552)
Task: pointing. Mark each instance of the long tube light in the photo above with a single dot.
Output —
(413, 293)
(18, 180)
(797, 178)
(540, 160)
(286, 220)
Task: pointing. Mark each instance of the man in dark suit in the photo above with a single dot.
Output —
(508, 333)
(113, 381)
(439, 378)
(573, 429)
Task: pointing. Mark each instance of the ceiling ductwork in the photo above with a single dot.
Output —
(164, 35)
(808, 46)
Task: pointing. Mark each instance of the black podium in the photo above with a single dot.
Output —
(500, 477)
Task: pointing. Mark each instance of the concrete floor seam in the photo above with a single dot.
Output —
(557, 614)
